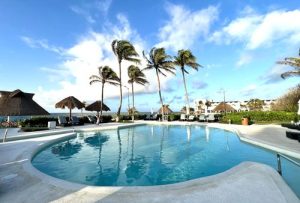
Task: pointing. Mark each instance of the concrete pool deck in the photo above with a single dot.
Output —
(247, 182)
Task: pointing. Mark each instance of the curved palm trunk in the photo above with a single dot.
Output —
(101, 107)
(159, 91)
(121, 94)
(132, 89)
(186, 94)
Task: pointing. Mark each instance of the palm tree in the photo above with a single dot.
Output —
(158, 61)
(135, 76)
(106, 75)
(186, 58)
(123, 50)
(294, 62)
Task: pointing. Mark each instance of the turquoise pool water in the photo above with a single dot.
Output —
(152, 155)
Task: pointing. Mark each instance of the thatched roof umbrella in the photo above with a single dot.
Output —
(96, 106)
(167, 110)
(18, 103)
(71, 103)
(223, 107)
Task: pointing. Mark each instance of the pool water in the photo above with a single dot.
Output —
(152, 155)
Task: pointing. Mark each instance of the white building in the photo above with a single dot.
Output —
(204, 106)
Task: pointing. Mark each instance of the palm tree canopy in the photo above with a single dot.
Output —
(106, 75)
(291, 61)
(136, 75)
(124, 50)
(159, 60)
(186, 58)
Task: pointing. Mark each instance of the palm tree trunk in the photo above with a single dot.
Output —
(101, 107)
(186, 93)
(132, 88)
(121, 94)
(159, 92)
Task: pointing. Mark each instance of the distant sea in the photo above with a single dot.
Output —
(18, 118)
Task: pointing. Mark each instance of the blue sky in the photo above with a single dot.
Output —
(51, 48)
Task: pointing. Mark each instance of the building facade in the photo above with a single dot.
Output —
(204, 106)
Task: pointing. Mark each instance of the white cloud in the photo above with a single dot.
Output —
(273, 75)
(185, 26)
(104, 5)
(41, 44)
(84, 13)
(81, 60)
(261, 30)
(244, 60)
(90, 10)
(248, 90)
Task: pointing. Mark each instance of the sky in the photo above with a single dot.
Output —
(52, 47)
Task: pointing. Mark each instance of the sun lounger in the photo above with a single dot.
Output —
(183, 117)
(62, 121)
(75, 120)
(148, 117)
(211, 118)
(202, 118)
(154, 117)
(92, 119)
(191, 118)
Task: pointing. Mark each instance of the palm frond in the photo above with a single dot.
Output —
(289, 74)
(94, 81)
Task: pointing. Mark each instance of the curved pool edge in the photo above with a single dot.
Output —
(239, 182)
(237, 130)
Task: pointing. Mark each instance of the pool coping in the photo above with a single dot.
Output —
(199, 182)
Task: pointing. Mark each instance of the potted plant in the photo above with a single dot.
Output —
(245, 120)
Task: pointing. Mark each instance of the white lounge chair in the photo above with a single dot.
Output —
(211, 117)
(202, 118)
(191, 118)
(75, 120)
(92, 119)
(182, 117)
(62, 121)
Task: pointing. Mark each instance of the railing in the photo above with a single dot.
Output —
(287, 158)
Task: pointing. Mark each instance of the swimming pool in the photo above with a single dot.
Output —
(152, 155)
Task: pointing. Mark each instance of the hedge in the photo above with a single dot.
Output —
(37, 122)
(260, 117)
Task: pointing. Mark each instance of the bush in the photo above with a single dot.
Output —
(83, 120)
(140, 116)
(174, 117)
(37, 122)
(259, 117)
(106, 118)
(289, 101)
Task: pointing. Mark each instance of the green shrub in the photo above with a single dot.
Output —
(106, 118)
(174, 117)
(83, 120)
(140, 116)
(259, 117)
(37, 122)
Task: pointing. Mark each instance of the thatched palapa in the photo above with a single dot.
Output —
(222, 108)
(167, 110)
(96, 106)
(18, 103)
(71, 103)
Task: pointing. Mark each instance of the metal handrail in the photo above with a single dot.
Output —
(287, 158)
